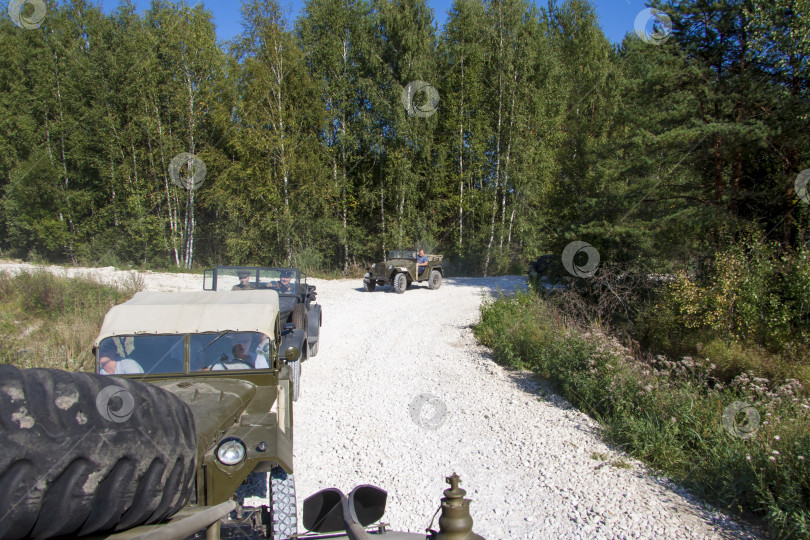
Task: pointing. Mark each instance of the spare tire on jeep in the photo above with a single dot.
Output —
(85, 453)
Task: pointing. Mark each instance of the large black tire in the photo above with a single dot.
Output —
(299, 317)
(435, 280)
(400, 283)
(85, 453)
(369, 286)
(282, 494)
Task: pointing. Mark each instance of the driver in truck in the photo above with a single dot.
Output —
(421, 262)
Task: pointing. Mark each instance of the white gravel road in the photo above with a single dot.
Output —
(400, 396)
(526, 458)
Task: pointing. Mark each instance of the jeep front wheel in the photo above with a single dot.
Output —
(295, 377)
(85, 453)
(369, 286)
(299, 317)
(400, 283)
(282, 513)
(435, 280)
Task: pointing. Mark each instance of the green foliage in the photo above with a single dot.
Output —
(669, 418)
(755, 293)
(544, 133)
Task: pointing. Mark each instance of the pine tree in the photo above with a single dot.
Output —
(336, 38)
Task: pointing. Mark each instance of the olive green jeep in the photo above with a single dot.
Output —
(401, 268)
(191, 398)
(298, 301)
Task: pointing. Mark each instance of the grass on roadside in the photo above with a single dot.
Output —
(743, 446)
(49, 321)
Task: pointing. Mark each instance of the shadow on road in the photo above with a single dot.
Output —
(506, 285)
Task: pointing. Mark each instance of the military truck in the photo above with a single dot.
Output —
(297, 300)
(191, 397)
(400, 270)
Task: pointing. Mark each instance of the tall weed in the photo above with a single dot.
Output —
(49, 321)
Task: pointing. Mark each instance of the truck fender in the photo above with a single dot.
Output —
(315, 319)
(295, 338)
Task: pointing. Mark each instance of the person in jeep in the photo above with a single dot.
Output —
(244, 282)
(421, 262)
(283, 284)
(243, 354)
(111, 363)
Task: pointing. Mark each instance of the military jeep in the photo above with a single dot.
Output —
(297, 300)
(301, 315)
(400, 270)
(191, 397)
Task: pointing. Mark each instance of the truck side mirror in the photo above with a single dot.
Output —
(367, 504)
(323, 512)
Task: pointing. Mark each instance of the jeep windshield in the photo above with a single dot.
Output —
(164, 354)
(282, 280)
(401, 254)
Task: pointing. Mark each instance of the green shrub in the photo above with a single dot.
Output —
(309, 260)
(756, 293)
(670, 414)
(48, 321)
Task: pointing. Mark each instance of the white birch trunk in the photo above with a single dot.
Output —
(461, 162)
(506, 166)
(188, 256)
(172, 209)
(138, 201)
(382, 209)
(278, 72)
(345, 57)
(512, 220)
(497, 145)
(66, 181)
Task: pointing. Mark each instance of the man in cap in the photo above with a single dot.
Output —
(283, 284)
(244, 281)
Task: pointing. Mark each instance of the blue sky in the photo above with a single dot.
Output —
(615, 16)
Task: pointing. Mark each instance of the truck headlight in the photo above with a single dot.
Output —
(390, 266)
(231, 452)
(374, 265)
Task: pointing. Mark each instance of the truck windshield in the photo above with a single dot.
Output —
(230, 350)
(401, 254)
(128, 355)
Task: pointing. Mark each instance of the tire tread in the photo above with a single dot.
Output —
(69, 471)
